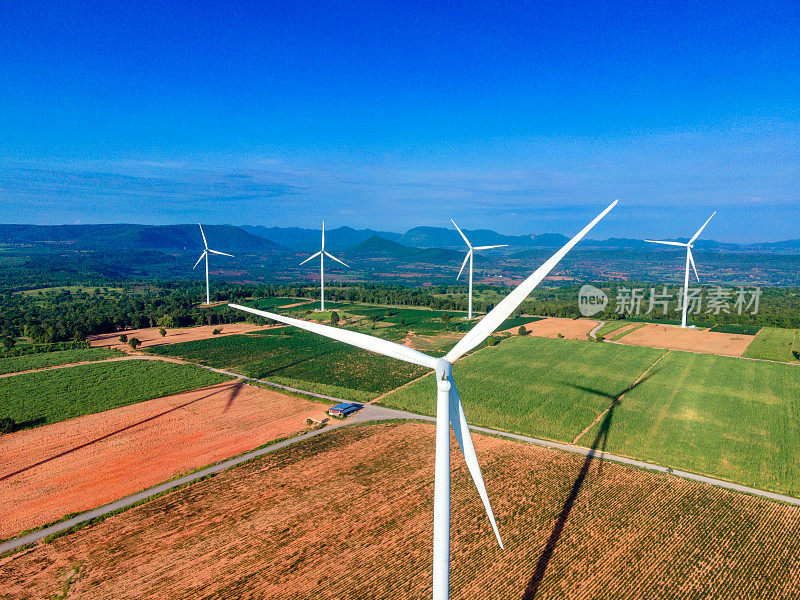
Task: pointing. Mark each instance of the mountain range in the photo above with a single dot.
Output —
(260, 239)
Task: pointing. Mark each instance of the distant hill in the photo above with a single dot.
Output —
(298, 238)
(378, 246)
(225, 238)
(442, 237)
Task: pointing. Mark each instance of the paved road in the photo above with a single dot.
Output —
(370, 413)
(593, 332)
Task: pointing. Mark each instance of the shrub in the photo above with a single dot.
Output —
(561, 336)
(796, 354)
(123, 338)
(334, 318)
(134, 342)
(216, 331)
(522, 330)
(162, 331)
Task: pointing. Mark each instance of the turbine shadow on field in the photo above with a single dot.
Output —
(600, 441)
(234, 392)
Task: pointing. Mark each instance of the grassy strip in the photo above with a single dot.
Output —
(27, 362)
(611, 326)
(624, 333)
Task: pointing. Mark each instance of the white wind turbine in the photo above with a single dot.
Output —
(205, 254)
(322, 254)
(449, 411)
(468, 257)
(689, 260)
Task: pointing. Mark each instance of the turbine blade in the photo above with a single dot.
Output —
(464, 264)
(353, 338)
(681, 244)
(490, 247)
(198, 260)
(461, 232)
(459, 423)
(507, 305)
(315, 255)
(691, 260)
(329, 255)
(699, 231)
(205, 243)
(218, 252)
(323, 235)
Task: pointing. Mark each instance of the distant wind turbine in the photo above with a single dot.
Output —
(468, 257)
(689, 261)
(205, 254)
(449, 411)
(322, 254)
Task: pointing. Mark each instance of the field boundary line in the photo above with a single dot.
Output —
(84, 362)
(620, 397)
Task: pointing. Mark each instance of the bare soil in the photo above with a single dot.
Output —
(151, 336)
(692, 340)
(89, 461)
(571, 329)
(348, 515)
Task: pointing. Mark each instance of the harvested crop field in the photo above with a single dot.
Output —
(572, 329)
(89, 461)
(151, 336)
(691, 340)
(348, 515)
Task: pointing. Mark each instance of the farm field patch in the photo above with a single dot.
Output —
(27, 362)
(610, 327)
(551, 327)
(89, 461)
(773, 343)
(301, 359)
(691, 340)
(725, 417)
(537, 386)
(152, 337)
(347, 515)
(46, 397)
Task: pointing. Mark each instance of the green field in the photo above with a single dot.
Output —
(26, 362)
(300, 359)
(727, 417)
(45, 397)
(536, 386)
(773, 343)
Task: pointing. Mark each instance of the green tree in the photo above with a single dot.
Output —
(123, 338)
(334, 318)
(522, 330)
(163, 332)
(134, 343)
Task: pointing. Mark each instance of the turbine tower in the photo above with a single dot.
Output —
(468, 257)
(205, 254)
(322, 254)
(689, 261)
(449, 411)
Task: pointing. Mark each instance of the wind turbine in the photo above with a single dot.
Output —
(205, 254)
(322, 254)
(468, 257)
(449, 411)
(689, 260)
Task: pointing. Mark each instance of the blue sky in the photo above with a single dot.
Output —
(523, 118)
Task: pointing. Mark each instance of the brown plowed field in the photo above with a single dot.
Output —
(89, 461)
(348, 514)
(151, 337)
(692, 340)
(572, 329)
